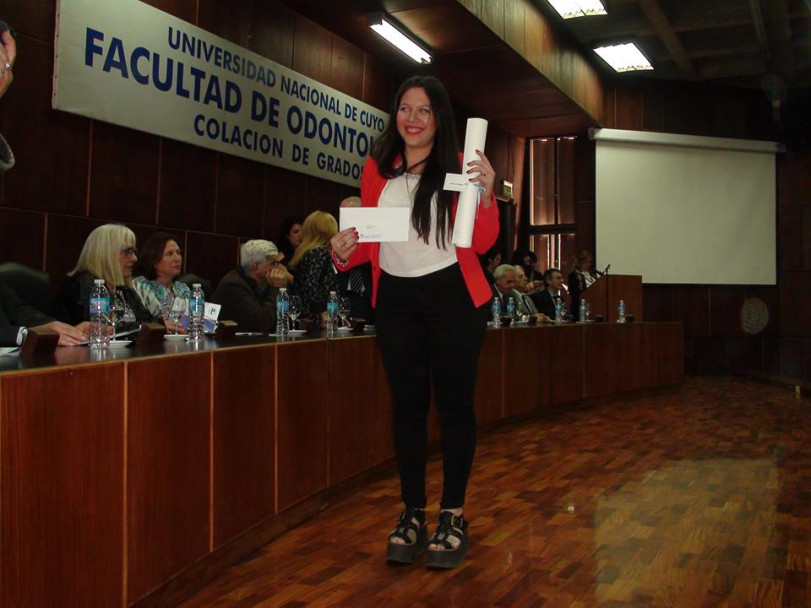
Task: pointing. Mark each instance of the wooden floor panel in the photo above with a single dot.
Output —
(690, 500)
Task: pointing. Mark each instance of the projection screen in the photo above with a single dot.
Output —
(683, 209)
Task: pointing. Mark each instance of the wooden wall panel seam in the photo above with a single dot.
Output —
(211, 453)
(276, 430)
(125, 481)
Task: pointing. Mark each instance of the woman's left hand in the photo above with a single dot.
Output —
(486, 177)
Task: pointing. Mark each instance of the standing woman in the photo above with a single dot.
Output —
(430, 299)
(581, 278)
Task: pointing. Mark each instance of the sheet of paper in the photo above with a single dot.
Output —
(377, 224)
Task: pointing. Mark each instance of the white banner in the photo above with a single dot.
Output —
(124, 62)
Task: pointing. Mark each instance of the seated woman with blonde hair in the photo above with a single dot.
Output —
(315, 276)
(109, 253)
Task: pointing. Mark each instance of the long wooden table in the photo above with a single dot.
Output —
(133, 477)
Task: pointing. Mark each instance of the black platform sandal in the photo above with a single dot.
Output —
(414, 537)
(451, 535)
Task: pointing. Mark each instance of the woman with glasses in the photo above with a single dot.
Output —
(109, 253)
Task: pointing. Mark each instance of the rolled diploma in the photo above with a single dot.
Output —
(475, 137)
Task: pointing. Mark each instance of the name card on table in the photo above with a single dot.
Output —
(378, 224)
(211, 313)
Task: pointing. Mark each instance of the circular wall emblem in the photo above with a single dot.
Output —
(754, 316)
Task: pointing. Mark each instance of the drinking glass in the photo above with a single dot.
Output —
(295, 311)
(343, 311)
(117, 308)
(176, 311)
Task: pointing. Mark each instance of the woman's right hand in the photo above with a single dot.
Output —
(344, 243)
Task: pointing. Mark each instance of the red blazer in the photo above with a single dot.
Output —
(485, 232)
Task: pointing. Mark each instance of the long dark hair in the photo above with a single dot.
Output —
(389, 154)
(283, 243)
(151, 253)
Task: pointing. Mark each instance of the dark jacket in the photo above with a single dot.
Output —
(243, 301)
(72, 303)
(14, 314)
(360, 305)
(544, 302)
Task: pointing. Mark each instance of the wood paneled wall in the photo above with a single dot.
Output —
(74, 173)
(715, 340)
(531, 34)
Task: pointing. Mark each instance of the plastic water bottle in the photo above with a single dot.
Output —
(511, 307)
(621, 312)
(332, 314)
(558, 311)
(100, 323)
(282, 312)
(583, 311)
(496, 312)
(197, 306)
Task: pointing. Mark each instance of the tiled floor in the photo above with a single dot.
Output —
(696, 499)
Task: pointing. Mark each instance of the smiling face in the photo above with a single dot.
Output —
(416, 124)
(168, 267)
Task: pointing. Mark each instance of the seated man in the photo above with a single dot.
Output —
(16, 318)
(248, 293)
(545, 299)
(504, 288)
(523, 288)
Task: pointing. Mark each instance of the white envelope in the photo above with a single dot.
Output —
(377, 224)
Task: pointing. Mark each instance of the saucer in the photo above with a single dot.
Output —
(119, 343)
(174, 337)
(297, 332)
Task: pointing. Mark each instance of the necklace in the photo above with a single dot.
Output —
(412, 178)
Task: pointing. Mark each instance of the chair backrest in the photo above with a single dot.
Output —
(190, 278)
(32, 286)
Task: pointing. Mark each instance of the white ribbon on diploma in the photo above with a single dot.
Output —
(475, 136)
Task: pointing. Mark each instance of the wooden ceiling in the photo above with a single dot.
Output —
(752, 43)
(764, 44)
(481, 72)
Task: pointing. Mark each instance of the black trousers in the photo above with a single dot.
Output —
(428, 328)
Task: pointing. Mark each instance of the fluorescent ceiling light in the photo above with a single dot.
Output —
(569, 9)
(394, 36)
(624, 57)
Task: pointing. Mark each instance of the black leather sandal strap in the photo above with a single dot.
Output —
(406, 529)
(450, 529)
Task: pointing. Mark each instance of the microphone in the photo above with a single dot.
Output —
(604, 272)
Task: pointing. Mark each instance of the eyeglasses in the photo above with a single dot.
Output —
(128, 251)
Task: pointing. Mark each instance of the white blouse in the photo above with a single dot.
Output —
(415, 257)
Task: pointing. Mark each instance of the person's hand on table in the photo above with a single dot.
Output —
(68, 335)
